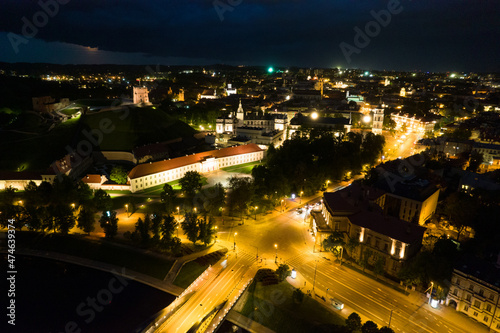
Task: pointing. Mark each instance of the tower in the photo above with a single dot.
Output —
(240, 114)
(378, 120)
(140, 95)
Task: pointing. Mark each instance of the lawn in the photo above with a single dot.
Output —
(136, 126)
(78, 246)
(189, 272)
(282, 314)
(70, 111)
(242, 168)
(192, 269)
(120, 130)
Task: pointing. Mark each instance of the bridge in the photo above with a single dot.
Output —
(206, 302)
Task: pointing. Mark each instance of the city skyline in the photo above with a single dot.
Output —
(398, 35)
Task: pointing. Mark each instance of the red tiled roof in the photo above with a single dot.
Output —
(92, 179)
(155, 167)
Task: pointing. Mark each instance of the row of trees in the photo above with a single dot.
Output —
(55, 207)
(305, 163)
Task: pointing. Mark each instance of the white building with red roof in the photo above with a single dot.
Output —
(152, 174)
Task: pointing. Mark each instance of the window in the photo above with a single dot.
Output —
(471, 287)
(485, 319)
(488, 307)
(455, 292)
(475, 314)
(477, 304)
(458, 282)
(492, 297)
(481, 292)
(467, 298)
(466, 308)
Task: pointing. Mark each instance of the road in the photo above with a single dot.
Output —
(361, 294)
(216, 289)
(400, 145)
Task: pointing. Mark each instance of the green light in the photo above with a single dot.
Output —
(366, 73)
(270, 69)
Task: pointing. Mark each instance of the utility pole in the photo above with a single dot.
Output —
(390, 319)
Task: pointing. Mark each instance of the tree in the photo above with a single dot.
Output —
(44, 193)
(86, 220)
(142, 227)
(369, 327)
(63, 217)
(335, 240)
(475, 161)
(215, 199)
(386, 329)
(83, 193)
(156, 222)
(365, 258)
(30, 193)
(167, 229)
(191, 183)
(283, 272)
(190, 226)
(461, 211)
(378, 267)
(351, 245)
(206, 230)
(353, 322)
(298, 295)
(109, 223)
(102, 200)
(168, 198)
(240, 195)
(118, 175)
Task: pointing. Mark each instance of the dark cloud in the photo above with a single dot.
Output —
(427, 35)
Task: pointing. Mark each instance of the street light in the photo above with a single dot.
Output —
(178, 210)
(234, 240)
(300, 200)
(327, 289)
(195, 209)
(215, 234)
(126, 207)
(73, 205)
(276, 247)
(256, 207)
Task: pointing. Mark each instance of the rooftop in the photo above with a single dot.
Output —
(145, 169)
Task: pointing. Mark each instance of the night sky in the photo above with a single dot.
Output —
(426, 35)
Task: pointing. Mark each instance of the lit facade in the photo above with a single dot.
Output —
(476, 297)
(140, 95)
(354, 211)
(413, 123)
(152, 174)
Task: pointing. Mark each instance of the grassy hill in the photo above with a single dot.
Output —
(24, 151)
(135, 126)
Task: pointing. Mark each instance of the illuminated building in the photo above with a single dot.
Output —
(355, 211)
(152, 174)
(475, 291)
(140, 95)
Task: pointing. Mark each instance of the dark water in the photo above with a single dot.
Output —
(53, 296)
